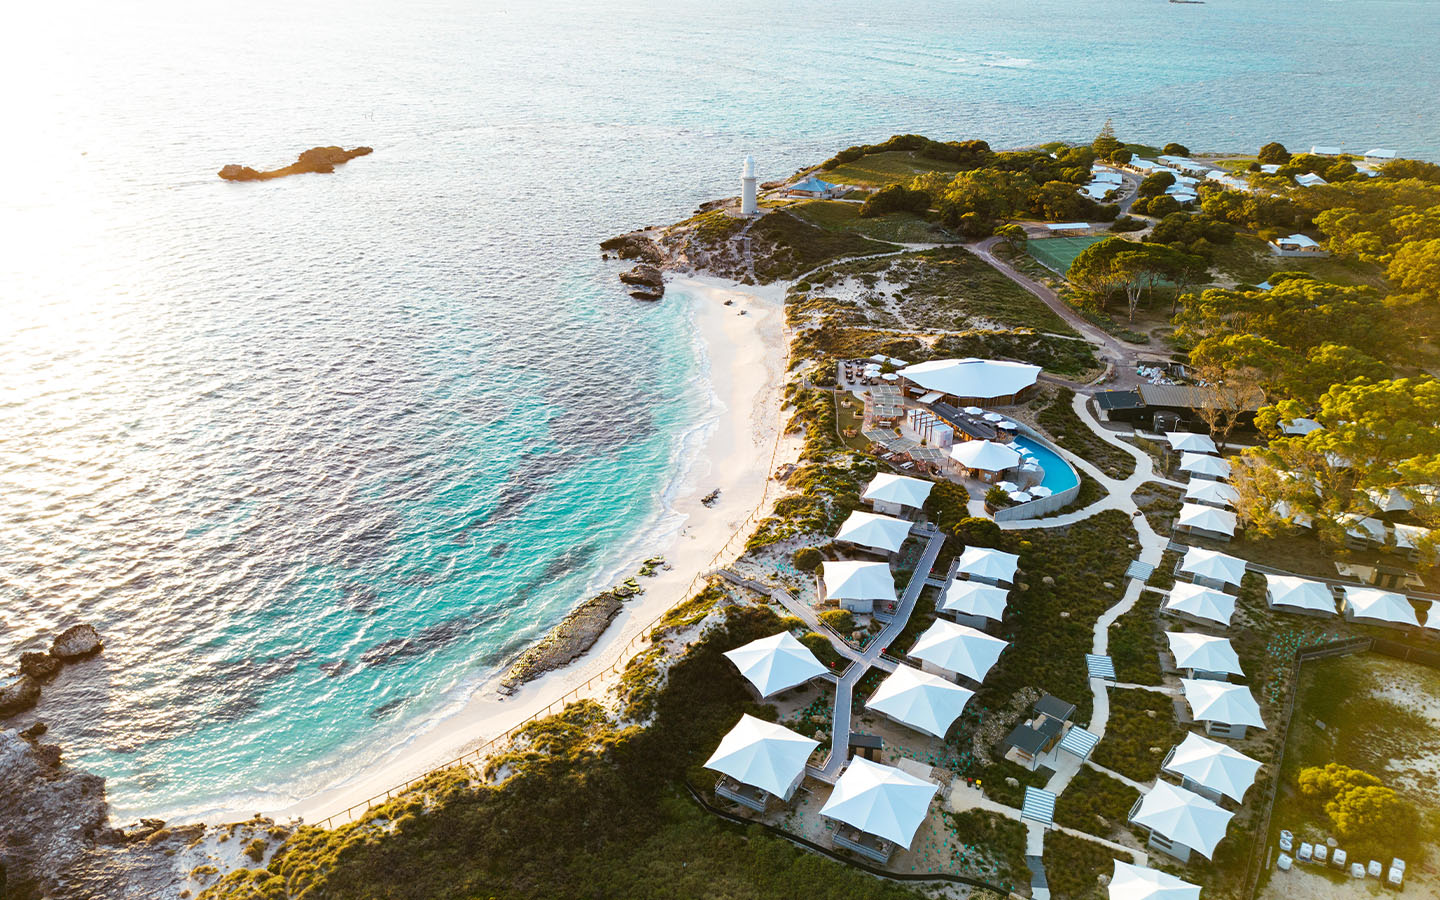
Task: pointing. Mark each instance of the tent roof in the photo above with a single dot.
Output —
(1363, 527)
(1204, 464)
(923, 701)
(1213, 564)
(1385, 606)
(762, 754)
(1219, 701)
(1184, 817)
(1291, 590)
(1211, 492)
(852, 580)
(986, 562)
(880, 800)
(1204, 652)
(1201, 602)
(1213, 765)
(1206, 518)
(987, 455)
(775, 663)
(1189, 440)
(973, 598)
(1132, 882)
(811, 183)
(1301, 426)
(958, 648)
(900, 489)
(970, 377)
(1407, 535)
(871, 530)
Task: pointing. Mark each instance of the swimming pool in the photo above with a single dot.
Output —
(1059, 476)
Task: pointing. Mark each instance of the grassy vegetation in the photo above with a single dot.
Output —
(1095, 803)
(1002, 838)
(1135, 643)
(1073, 866)
(889, 167)
(1160, 503)
(1141, 731)
(1248, 260)
(898, 227)
(585, 810)
(1060, 421)
(786, 246)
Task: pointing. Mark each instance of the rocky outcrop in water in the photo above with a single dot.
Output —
(75, 643)
(635, 245)
(569, 640)
(648, 281)
(21, 691)
(317, 159)
(18, 693)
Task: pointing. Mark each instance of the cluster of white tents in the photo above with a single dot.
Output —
(1190, 817)
(1207, 510)
(857, 585)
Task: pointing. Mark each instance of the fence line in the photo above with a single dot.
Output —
(644, 635)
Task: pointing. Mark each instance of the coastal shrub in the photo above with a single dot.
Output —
(1064, 426)
(1094, 802)
(1155, 185)
(978, 531)
(1273, 154)
(946, 505)
(895, 198)
(1174, 149)
(997, 498)
(1141, 731)
(842, 620)
(1124, 224)
(256, 849)
(790, 623)
(1073, 865)
(808, 559)
(1134, 646)
(820, 645)
(1002, 838)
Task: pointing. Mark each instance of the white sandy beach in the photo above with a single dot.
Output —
(746, 356)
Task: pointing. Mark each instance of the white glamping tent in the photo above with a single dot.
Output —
(776, 663)
(763, 755)
(891, 493)
(1226, 709)
(987, 565)
(1183, 820)
(881, 801)
(877, 532)
(1203, 653)
(857, 585)
(1290, 593)
(1132, 882)
(1212, 768)
(947, 648)
(975, 600)
(920, 700)
(1377, 606)
(1212, 567)
(1200, 604)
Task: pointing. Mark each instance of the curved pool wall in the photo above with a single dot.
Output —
(1044, 449)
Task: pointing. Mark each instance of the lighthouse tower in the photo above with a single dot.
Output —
(748, 204)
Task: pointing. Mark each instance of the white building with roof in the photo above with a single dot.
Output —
(1211, 493)
(1373, 606)
(857, 586)
(974, 603)
(988, 565)
(1203, 655)
(1190, 442)
(1379, 155)
(1204, 465)
(1291, 593)
(811, 186)
(948, 649)
(1211, 769)
(766, 758)
(919, 700)
(1132, 882)
(974, 382)
(1326, 150)
(1298, 245)
(882, 806)
(1310, 179)
(874, 531)
(1226, 709)
(775, 663)
(1212, 568)
(1180, 821)
(985, 460)
(1201, 605)
(892, 494)
(1206, 522)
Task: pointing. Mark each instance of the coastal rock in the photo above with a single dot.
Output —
(35, 730)
(635, 245)
(39, 666)
(570, 639)
(50, 815)
(648, 293)
(77, 642)
(316, 159)
(17, 693)
(645, 275)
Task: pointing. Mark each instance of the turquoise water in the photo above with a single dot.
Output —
(317, 455)
(1058, 474)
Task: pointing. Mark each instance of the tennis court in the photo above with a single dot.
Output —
(1057, 253)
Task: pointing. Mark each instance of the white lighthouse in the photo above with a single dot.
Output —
(748, 204)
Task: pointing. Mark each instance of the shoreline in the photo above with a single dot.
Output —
(744, 357)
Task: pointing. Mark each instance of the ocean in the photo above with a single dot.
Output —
(318, 455)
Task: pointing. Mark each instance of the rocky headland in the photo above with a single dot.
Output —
(21, 690)
(317, 159)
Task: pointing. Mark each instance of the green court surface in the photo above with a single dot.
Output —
(1057, 253)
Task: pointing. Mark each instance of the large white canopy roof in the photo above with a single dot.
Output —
(1192, 442)
(981, 378)
(923, 701)
(1201, 602)
(880, 800)
(1211, 492)
(972, 598)
(1407, 537)
(1300, 426)
(871, 530)
(888, 488)
(1301, 593)
(762, 754)
(1184, 817)
(1206, 518)
(986, 562)
(986, 455)
(1204, 652)
(1204, 464)
(1366, 528)
(1383, 606)
(1214, 565)
(1220, 701)
(1213, 765)
(775, 663)
(1132, 882)
(958, 648)
(852, 580)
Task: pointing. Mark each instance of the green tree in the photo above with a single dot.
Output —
(808, 559)
(1105, 142)
(895, 198)
(1014, 236)
(1411, 168)
(947, 505)
(842, 620)
(1093, 269)
(1174, 149)
(1273, 154)
(1415, 271)
(1155, 184)
(997, 497)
